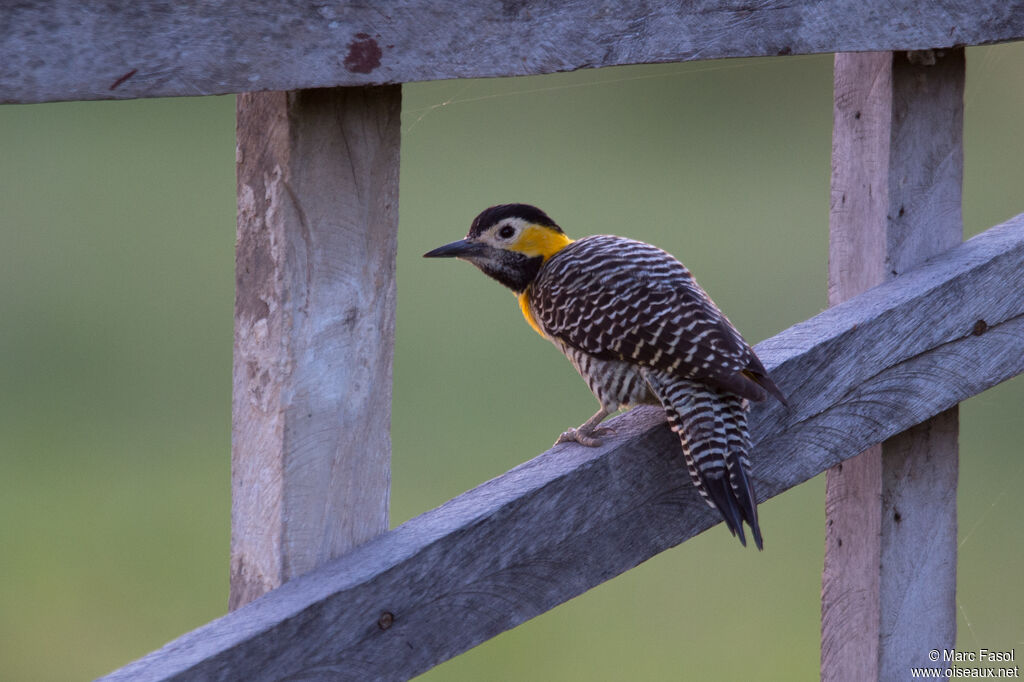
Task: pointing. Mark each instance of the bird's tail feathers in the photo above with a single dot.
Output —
(738, 463)
(712, 427)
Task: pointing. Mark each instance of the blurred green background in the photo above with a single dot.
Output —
(116, 300)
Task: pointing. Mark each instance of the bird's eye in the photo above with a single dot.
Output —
(506, 232)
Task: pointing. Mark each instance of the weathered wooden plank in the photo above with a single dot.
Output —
(497, 555)
(68, 49)
(314, 329)
(920, 467)
(917, 586)
(897, 170)
(862, 116)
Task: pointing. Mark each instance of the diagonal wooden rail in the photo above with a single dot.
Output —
(496, 556)
(69, 50)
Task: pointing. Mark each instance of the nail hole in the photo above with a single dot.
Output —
(385, 620)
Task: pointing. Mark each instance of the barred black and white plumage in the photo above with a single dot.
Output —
(639, 330)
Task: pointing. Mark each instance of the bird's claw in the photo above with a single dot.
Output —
(584, 438)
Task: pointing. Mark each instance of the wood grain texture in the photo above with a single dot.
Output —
(314, 329)
(573, 517)
(920, 467)
(69, 50)
(897, 170)
(917, 586)
(862, 119)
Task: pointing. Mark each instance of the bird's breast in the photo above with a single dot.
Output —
(524, 305)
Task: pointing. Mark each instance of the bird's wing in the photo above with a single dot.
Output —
(620, 299)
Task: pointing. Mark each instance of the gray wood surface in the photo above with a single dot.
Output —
(889, 581)
(314, 329)
(69, 49)
(920, 467)
(573, 517)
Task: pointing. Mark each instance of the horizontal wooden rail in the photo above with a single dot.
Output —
(54, 50)
(574, 517)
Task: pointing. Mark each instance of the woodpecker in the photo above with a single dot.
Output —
(639, 329)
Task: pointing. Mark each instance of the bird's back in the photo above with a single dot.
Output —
(621, 299)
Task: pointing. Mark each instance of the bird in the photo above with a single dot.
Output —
(638, 328)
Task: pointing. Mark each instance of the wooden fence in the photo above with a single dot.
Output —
(919, 323)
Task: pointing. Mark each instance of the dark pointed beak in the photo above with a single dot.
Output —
(463, 248)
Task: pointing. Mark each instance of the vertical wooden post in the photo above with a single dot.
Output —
(889, 582)
(314, 328)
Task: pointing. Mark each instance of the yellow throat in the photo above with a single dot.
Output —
(537, 240)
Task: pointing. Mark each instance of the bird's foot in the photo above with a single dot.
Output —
(585, 437)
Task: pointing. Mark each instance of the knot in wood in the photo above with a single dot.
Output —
(385, 620)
